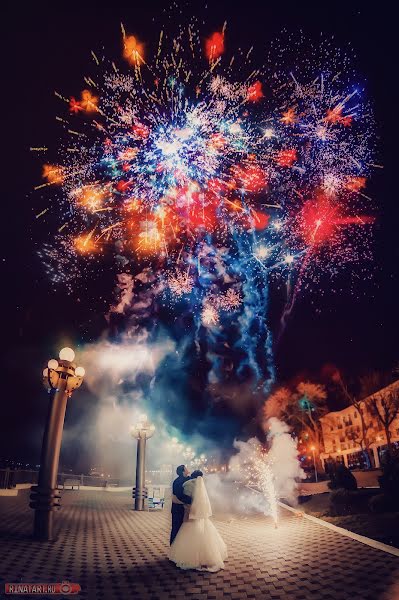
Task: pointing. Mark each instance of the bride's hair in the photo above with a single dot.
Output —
(196, 474)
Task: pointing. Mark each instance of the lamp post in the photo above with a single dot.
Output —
(142, 431)
(61, 378)
(313, 449)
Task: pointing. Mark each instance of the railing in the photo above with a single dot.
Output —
(9, 478)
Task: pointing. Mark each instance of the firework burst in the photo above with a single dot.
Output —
(217, 176)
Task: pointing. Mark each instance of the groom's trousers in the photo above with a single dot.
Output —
(177, 519)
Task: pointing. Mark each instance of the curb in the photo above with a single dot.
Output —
(354, 536)
(7, 492)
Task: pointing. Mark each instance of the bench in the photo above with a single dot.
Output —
(71, 482)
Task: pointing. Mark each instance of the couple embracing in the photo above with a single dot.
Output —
(195, 543)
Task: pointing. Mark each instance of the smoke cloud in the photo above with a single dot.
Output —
(237, 492)
(125, 380)
(131, 377)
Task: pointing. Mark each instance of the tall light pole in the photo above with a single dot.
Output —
(313, 449)
(61, 378)
(142, 431)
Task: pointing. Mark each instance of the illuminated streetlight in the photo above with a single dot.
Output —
(67, 354)
(142, 431)
(60, 377)
(176, 449)
(189, 453)
(199, 461)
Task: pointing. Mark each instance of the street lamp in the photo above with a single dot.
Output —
(61, 378)
(199, 461)
(142, 431)
(189, 453)
(176, 449)
(175, 446)
(313, 449)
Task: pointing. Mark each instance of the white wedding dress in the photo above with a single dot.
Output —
(198, 544)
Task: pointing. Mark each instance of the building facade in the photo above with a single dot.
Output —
(343, 433)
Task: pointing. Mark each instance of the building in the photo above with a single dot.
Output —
(98, 472)
(164, 475)
(342, 432)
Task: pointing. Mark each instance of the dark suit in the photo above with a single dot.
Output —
(178, 509)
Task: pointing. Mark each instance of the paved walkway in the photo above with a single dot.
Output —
(116, 553)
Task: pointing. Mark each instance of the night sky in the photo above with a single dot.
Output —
(47, 49)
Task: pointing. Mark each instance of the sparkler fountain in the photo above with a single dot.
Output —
(256, 469)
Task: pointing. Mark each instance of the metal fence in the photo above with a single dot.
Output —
(9, 478)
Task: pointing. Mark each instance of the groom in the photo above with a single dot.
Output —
(179, 499)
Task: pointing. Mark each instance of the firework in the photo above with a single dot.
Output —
(209, 315)
(256, 469)
(215, 175)
(266, 483)
(180, 283)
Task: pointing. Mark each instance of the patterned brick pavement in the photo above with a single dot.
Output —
(115, 553)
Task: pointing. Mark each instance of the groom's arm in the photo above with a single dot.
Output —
(179, 493)
(183, 497)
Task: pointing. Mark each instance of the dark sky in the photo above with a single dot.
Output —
(47, 48)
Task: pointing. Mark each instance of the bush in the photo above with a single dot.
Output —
(341, 502)
(389, 480)
(382, 503)
(342, 478)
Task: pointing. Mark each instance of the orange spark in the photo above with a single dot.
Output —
(355, 184)
(90, 197)
(289, 117)
(133, 50)
(334, 115)
(217, 141)
(84, 244)
(88, 101)
(128, 154)
(53, 174)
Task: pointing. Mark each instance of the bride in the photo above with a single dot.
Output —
(198, 544)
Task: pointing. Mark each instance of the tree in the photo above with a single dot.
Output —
(385, 407)
(360, 437)
(301, 408)
(277, 402)
(313, 405)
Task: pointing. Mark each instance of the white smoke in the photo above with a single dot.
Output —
(112, 371)
(283, 455)
(112, 376)
(237, 491)
(108, 365)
